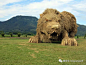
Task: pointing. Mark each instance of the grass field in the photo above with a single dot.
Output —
(17, 51)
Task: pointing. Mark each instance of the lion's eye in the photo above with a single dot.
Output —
(58, 20)
(46, 20)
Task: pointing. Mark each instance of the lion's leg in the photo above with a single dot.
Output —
(72, 34)
(34, 39)
(71, 41)
(45, 39)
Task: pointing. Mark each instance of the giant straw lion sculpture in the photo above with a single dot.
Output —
(56, 26)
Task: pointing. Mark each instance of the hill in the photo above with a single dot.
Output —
(25, 24)
(19, 24)
(81, 30)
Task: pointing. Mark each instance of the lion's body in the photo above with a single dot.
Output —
(55, 26)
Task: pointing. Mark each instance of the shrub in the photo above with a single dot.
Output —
(77, 36)
(26, 35)
(11, 34)
(19, 34)
(2, 34)
(84, 35)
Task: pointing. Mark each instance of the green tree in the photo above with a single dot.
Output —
(19, 34)
(3, 34)
(26, 35)
(29, 33)
(11, 34)
(77, 36)
(15, 33)
(84, 36)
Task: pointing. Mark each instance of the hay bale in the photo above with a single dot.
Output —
(55, 26)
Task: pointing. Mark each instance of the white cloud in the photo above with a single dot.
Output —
(47, 4)
(36, 8)
(4, 2)
(32, 0)
(81, 9)
(80, 6)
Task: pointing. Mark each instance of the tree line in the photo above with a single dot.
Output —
(2, 33)
(15, 33)
(79, 36)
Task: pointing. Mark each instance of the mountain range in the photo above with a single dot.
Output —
(28, 24)
(19, 24)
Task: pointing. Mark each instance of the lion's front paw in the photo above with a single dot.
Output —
(33, 39)
(69, 41)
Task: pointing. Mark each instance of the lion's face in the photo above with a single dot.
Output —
(51, 26)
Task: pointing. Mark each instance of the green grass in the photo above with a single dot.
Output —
(17, 51)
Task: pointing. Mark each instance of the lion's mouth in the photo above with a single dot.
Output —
(54, 35)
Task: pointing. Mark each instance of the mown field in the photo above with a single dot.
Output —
(17, 51)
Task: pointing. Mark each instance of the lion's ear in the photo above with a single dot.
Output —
(41, 15)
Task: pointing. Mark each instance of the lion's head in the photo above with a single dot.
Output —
(49, 23)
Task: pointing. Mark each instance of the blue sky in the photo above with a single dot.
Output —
(11, 8)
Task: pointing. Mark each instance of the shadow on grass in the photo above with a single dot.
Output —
(54, 42)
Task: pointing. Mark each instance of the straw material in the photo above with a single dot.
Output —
(56, 26)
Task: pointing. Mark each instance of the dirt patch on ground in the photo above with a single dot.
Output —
(43, 50)
(22, 44)
(33, 55)
(37, 51)
(33, 49)
(19, 47)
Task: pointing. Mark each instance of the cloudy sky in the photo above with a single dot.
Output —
(11, 8)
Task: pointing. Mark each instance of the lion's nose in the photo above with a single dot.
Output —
(55, 26)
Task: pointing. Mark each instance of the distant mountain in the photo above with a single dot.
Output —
(25, 24)
(81, 30)
(19, 24)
